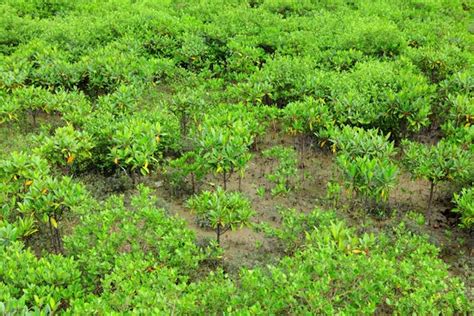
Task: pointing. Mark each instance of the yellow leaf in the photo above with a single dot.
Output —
(322, 143)
(357, 251)
(116, 161)
(28, 183)
(333, 148)
(157, 138)
(53, 222)
(70, 159)
(44, 191)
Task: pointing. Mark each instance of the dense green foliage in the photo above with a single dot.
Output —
(364, 160)
(446, 161)
(356, 273)
(198, 95)
(465, 206)
(224, 211)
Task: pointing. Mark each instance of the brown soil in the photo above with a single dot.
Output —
(248, 248)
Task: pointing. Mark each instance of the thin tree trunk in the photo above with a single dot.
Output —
(52, 237)
(429, 213)
(353, 199)
(58, 240)
(218, 233)
(225, 180)
(387, 202)
(33, 115)
(303, 148)
(69, 170)
(135, 177)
